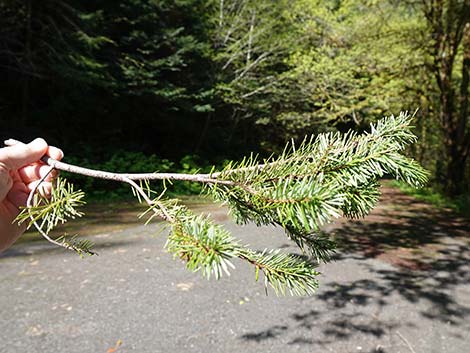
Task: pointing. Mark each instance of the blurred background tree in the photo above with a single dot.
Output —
(220, 78)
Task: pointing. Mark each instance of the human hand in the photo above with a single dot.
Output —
(20, 172)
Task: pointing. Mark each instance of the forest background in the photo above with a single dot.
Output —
(147, 85)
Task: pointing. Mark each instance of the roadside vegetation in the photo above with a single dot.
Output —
(459, 204)
(181, 85)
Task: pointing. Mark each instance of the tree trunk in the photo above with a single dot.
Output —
(459, 143)
(450, 28)
(455, 171)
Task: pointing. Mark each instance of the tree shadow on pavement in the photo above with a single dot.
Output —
(48, 249)
(424, 259)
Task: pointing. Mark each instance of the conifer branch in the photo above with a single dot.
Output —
(307, 186)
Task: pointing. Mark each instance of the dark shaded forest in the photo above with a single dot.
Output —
(140, 85)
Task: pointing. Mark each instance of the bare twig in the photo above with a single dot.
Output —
(211, 178)
(125, 177)
(406, 342)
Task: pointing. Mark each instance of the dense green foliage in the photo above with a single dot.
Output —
(220, 78)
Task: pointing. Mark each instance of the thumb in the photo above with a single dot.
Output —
(19, 155)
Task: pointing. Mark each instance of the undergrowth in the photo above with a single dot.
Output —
(460, 203)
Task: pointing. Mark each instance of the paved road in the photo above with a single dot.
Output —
(401, 284)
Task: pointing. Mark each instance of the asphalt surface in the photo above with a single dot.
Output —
(134, 297)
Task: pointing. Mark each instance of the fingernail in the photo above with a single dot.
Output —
(61, 154)
(38, 143)
(10, 142)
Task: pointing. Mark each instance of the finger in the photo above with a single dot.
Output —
(15, 176)
(18, 194)
(44, 189)
(19, 155)
(55, 153)
(35, 172)
(6, 182)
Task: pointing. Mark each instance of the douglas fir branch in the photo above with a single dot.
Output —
(327, 176)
